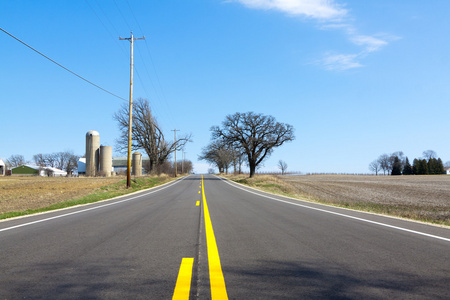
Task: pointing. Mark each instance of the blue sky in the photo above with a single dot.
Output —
(356, 79)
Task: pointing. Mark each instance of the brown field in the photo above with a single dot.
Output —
(425, 198)
(22, 193)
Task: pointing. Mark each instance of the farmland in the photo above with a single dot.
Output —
(31, 194)
(424, 198)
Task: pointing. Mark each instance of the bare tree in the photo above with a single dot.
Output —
(254, 134)
(429, 154)
(51, 160)
(16, 160)
(238, 160)
(218, 153)
(66, 161)
(39, 160)
(282, 165)
(384, 163)
(146, 134)
(375, 166)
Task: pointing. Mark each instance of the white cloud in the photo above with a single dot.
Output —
(317, 9)
(332, 17)
(340, 61)
(370, 43)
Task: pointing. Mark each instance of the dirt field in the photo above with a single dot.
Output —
(22, 193)
(424, 198)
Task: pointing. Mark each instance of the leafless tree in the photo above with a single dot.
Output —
(51, 160)
(375, 166)
(16, 160)
(238, 160)
(429, 154)
(66, 161)
(146, 134)
(254, 134)
(185, 166)
(39, 160)
(401, 157)
(218, 153)
(384, 163)
(282, 165)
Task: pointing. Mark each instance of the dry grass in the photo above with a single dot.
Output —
(424, 198)
(20, 194)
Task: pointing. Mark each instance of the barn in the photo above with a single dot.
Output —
(2, 167)
(29, 170)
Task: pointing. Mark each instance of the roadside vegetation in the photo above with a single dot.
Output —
(21, 196)
(422, 198)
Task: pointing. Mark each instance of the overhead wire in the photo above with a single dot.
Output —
(136, 68)
(159, 94)
(58, 64)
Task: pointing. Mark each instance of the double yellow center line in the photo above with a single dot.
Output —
(217, 282)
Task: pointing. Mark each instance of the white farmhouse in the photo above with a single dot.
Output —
(2, 167)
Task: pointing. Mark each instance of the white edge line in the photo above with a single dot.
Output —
(91, 208)
(339, 214)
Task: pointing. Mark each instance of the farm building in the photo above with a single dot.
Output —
(29, 170)
(447, 170)
(81, 166)
(2, 167)
(120, 164)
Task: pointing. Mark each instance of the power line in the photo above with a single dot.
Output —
(159, 94)
(58, 64)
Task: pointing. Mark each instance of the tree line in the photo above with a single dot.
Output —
(245, 137)
(398, 164)
(65, 160)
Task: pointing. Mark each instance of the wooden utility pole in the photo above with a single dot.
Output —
(130, 108)
(182, 161)
(176, 146)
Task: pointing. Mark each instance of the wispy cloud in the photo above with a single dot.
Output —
(370, 43)
(333, 61)
(332, 16)
(317, 9)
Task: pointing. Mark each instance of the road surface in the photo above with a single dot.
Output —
(217, 240)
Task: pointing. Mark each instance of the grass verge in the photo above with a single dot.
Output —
(103, 193)
(430, 213)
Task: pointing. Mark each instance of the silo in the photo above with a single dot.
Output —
(92, 152)
(137, 164)
(105, 161)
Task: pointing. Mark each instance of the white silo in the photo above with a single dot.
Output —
(105, 161)
(137, 164)
(92, 152)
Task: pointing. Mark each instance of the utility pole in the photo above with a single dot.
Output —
(130, 108)
(182, 162)
(176, 146)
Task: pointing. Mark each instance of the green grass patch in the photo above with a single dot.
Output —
(103, 193)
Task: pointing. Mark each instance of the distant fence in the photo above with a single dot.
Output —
(308, 173)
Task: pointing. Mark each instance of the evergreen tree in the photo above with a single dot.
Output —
(435, 166)
(440, 166)
(396, 167)
(407, 169)
(415, 166)
(422, 168)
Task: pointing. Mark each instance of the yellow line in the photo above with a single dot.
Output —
(198, 203)
(216, 280)
(183, 286)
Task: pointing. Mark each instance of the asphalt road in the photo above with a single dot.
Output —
(237, 242)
